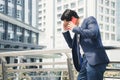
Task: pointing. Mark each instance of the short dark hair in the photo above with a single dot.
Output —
(67, 15)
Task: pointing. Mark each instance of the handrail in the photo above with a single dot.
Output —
(68, 62)
(36, 52)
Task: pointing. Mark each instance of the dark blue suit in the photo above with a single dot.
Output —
(90, 41)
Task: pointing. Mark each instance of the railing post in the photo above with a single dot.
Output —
(4, 69)
(70, 69)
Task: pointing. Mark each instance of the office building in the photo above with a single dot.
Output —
(51, 26)
(118, 19)
(18, 28)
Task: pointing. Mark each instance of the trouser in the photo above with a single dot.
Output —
(89, 72)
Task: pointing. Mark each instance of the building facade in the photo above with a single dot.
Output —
(118, 20)
(18, 28)
(103, 10)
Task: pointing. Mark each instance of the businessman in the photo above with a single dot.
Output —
(92, 64)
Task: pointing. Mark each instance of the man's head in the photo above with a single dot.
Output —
(68, 14)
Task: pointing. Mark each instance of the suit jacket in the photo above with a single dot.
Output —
(90, 41)
(76, 55)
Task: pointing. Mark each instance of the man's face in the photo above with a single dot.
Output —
(65, 23)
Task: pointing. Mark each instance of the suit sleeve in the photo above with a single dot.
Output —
(68, 38)
(89, 32)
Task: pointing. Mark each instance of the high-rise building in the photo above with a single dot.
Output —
(18, 28)
(50, 24)
(118, 19)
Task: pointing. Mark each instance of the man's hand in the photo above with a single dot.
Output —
(71, 25)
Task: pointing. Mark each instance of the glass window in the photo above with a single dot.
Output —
(107, 11)
(73, 5)
(66, 6)
(113, 37)
(101, 26)
(106, 36)
(113, 28)
(19, 34)
(106, 19)
(107, 2)
(1, 8)
(59, 1)
(80, 2)
(34, 38)
(113, 12)
(2, 30)
(19, 2)
(58, 16)
(80, 11)
(101, 9)
(11, 1)
(10, 32)
(19, 14)
(59, 8)
(107, 27)
(113, 4)
(101, 17)
(27, 36)
(10, 11)
(113, 20)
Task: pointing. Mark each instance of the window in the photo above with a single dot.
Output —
(73, 5)
(101, 9)
(107, 11)
(113, 37)
(11, 1)
(59, 1)
(80, 2)
(107, 27)
(101, 26)
(34, 38)
(113, 4)
(10, 11)
(1, 8)
(2, 30)
(66, 6)
(58, 16)
(80, 11)
(59, 8)
(101, 17)
(113, 20)
(113, 28)
(19, 14)
(107, 2)
(106, 19)
(113, 12)
(27, 36)
(10, 32)
(106, 36)
(19, 2)
(19, 34)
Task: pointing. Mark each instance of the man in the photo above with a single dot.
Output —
(95, 59)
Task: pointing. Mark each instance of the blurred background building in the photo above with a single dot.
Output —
(49, 13)
(18, 28)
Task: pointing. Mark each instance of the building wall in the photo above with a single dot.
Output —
(103, 10)
(18, 24)
(118, 20)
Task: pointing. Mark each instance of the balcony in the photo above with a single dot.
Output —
(55, 64)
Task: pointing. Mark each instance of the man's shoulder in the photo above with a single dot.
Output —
(91, 18)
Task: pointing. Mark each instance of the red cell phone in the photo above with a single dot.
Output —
(74, 20)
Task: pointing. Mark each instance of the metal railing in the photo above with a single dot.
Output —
(50, 70)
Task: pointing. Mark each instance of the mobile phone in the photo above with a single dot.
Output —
(74, 20)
